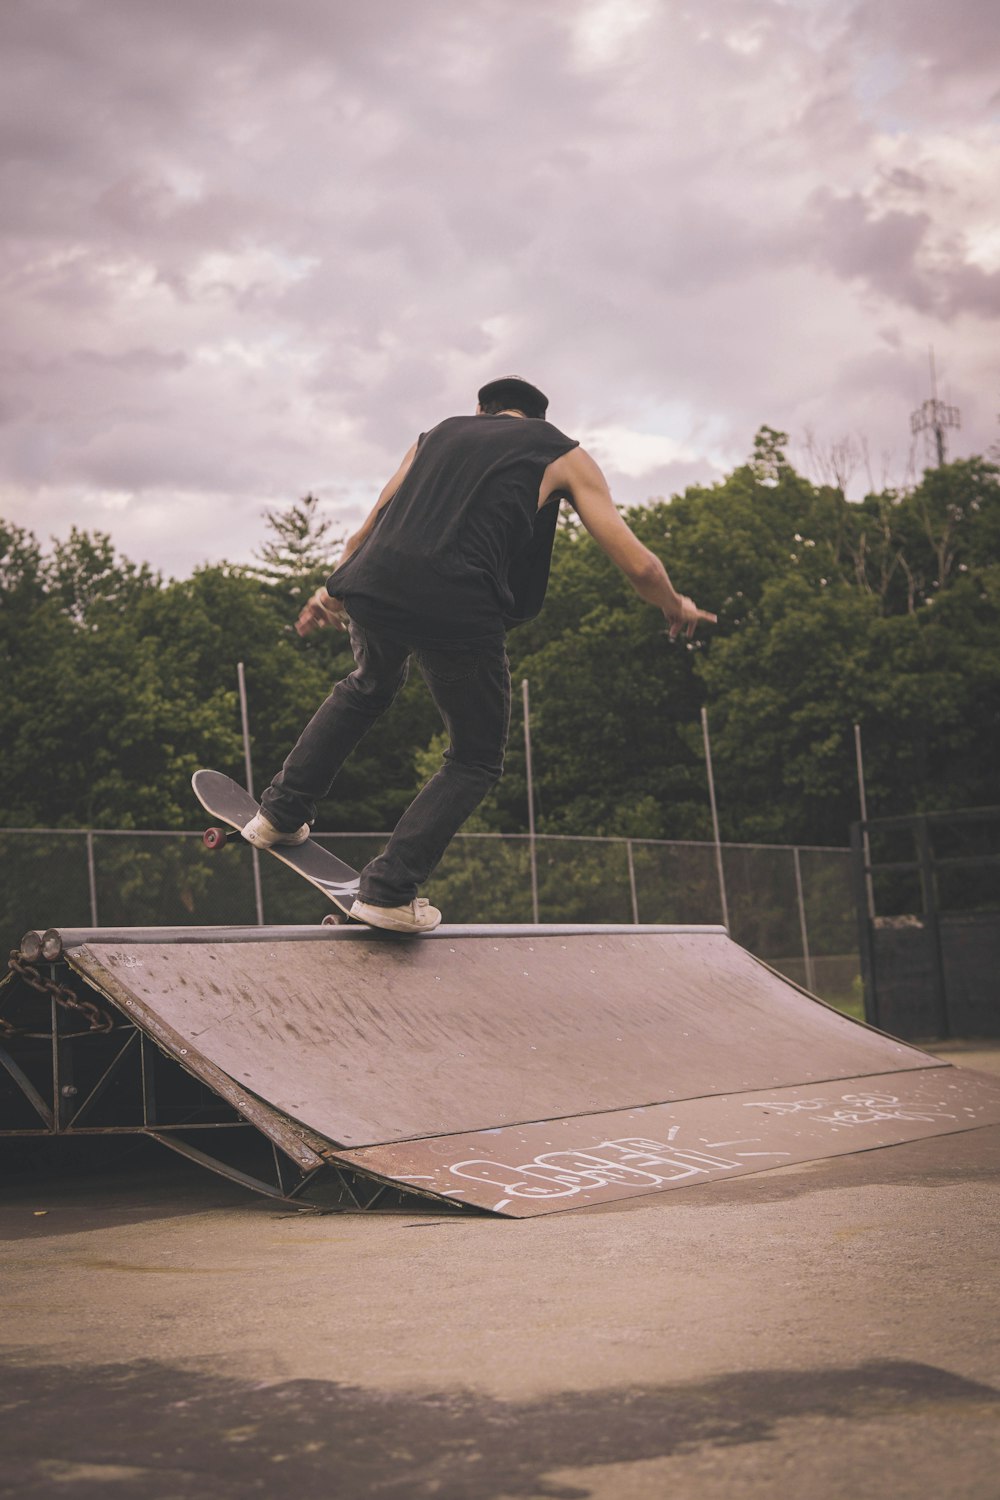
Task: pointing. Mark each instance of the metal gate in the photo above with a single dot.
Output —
(927, 890)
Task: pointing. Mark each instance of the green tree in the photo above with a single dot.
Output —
(75, 651)
(22, 586)
(889, 620)
(117, 685)
(88, 580)
(299, 552)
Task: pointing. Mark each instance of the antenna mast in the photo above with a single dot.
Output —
(932, 418)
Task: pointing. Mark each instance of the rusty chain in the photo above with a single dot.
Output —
(98, 1019)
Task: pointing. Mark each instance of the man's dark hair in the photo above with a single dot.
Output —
(511, 393)
(495, 405)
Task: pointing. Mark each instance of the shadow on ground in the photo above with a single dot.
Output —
(148, 1431)
(74, 1186)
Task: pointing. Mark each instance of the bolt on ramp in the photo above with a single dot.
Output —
(525, 1070)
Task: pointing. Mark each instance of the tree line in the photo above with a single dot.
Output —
(117, 683)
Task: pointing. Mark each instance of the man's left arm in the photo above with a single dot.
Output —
(323, 608)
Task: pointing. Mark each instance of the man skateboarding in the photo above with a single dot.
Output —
(455, 552)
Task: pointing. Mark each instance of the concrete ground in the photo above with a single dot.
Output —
(827, 1330)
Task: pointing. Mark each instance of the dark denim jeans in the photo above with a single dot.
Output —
(470, 686)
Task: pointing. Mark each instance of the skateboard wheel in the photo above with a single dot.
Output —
(335, 919)
(214, 838)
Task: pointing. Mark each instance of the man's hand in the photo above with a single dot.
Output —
(687, 617)
(322, 610)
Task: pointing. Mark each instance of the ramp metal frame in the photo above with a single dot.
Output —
(60, 1077)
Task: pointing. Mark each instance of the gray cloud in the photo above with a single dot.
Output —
(954, 44)
(251, 250)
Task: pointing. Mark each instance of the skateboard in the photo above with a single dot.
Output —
(224, 798)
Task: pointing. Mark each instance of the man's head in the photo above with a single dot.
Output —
(511, 393)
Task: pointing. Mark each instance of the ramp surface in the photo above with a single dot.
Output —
(531, 1069)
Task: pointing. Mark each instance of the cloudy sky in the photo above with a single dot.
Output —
(251, 249)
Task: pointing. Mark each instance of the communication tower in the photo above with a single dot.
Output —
(932, 418)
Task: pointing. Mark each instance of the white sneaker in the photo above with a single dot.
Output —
(417, 916)
(261, 832)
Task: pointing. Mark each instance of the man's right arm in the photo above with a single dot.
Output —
(577, 475)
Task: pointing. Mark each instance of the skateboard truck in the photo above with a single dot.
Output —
(217, 838)
(223, 798)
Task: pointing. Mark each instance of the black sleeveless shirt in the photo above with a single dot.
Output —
(461, 552)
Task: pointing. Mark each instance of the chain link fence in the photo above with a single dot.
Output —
(791, 906)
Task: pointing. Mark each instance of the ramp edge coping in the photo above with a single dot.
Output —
(60, 939)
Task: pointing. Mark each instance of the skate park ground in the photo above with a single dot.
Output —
(827, 1329)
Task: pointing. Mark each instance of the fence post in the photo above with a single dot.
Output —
(803, 929)
(715, 820)
(863, 802)
(531, 800)
(258, 894)
(860, 869)
(631, 882)
(92, 878)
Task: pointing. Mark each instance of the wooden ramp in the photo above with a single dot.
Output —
(522, 1070)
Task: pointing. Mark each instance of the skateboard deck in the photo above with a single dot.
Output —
(224, 798)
